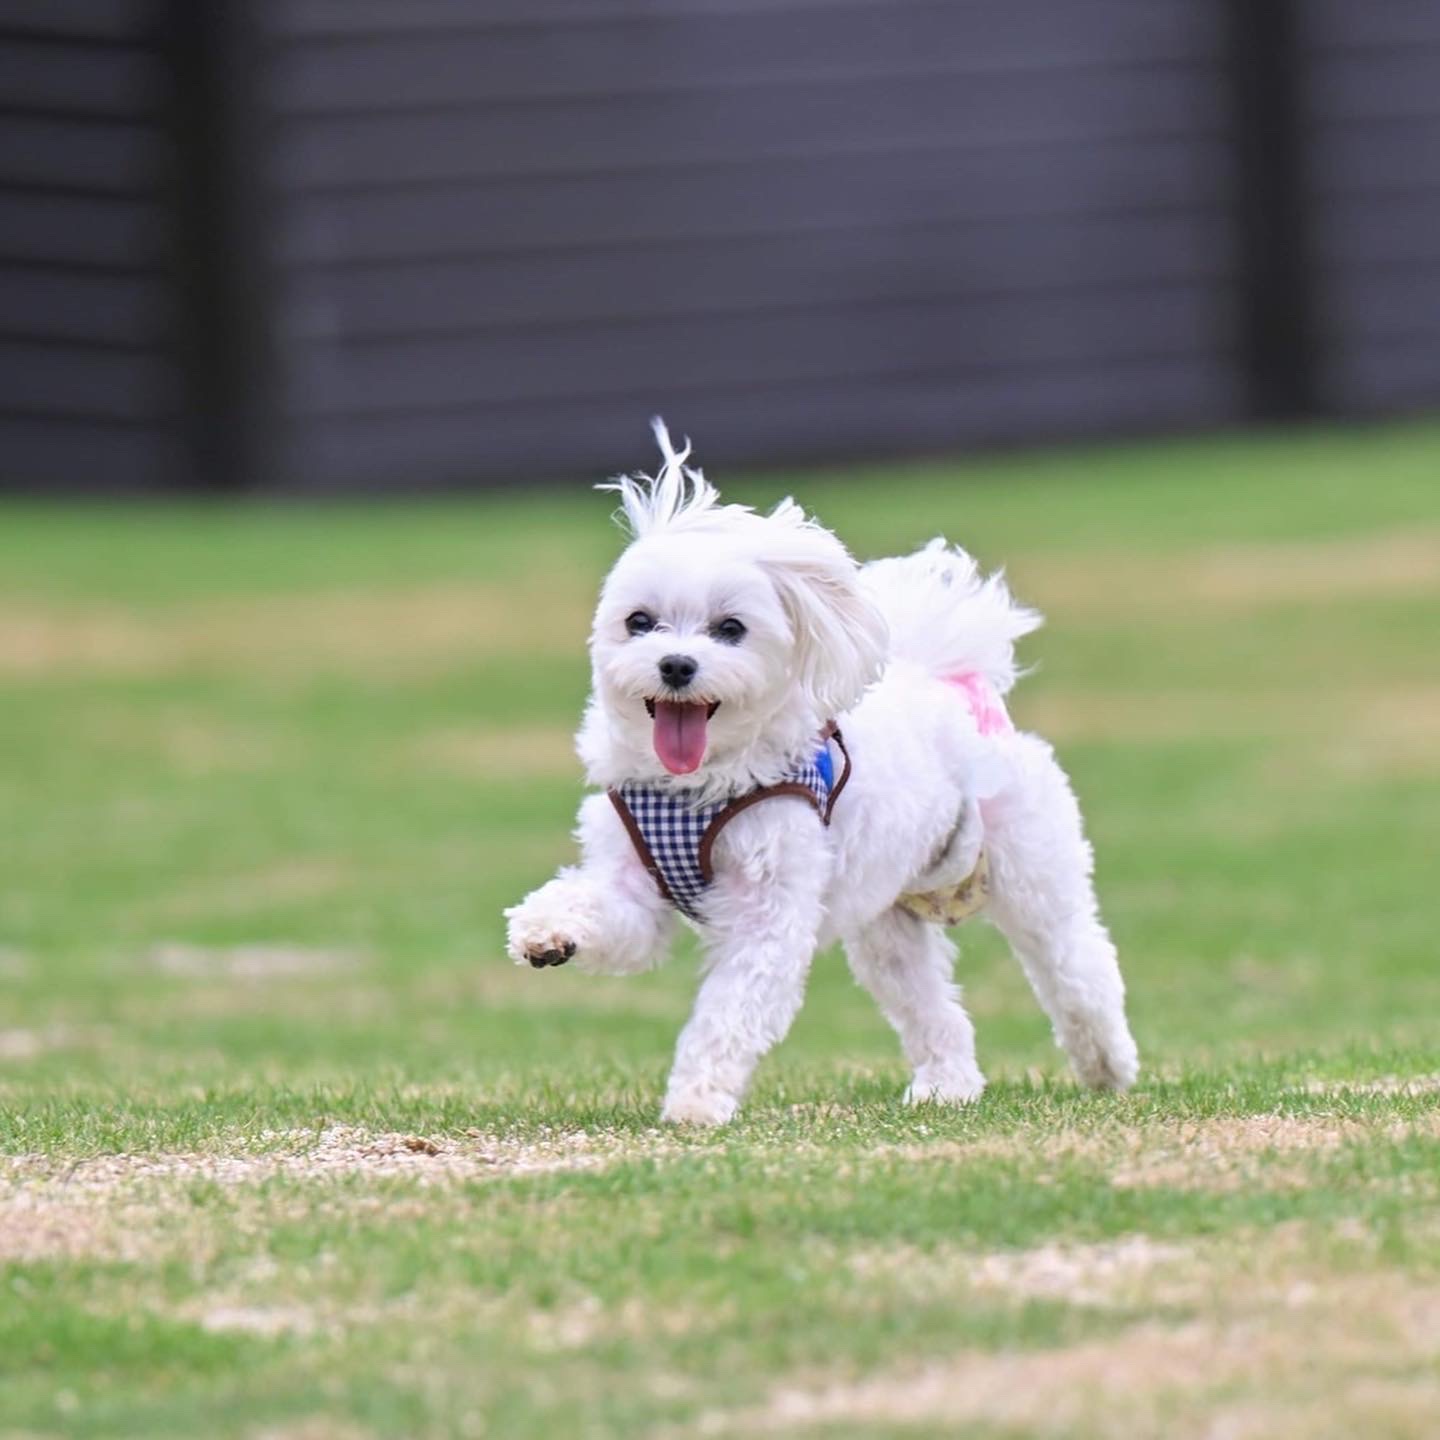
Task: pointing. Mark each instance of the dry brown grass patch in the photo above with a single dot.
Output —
(1219, 1153)
(338, 1151)
(1107, 1273)
(1237, 578)
(240, 893)
(315, 1427)
(1383, 1085)
(1256, 1359)
(251, 963)
(20, 1043)
(14, 964)
(1363, 732)
(395, 632)
(499, 754)
(40, 1225)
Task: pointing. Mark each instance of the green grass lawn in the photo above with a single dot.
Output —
(288, 1149)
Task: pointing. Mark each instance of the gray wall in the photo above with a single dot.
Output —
(330, 244)
(89, 389)
(508, 233)
(1374, 113)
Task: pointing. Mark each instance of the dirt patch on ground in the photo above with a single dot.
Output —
(338, 1151)
(134, 1207)
(38, 1224)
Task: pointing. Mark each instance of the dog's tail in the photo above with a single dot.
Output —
(946, 617)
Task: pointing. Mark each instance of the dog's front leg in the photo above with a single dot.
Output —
(763, 916)
(604, 914)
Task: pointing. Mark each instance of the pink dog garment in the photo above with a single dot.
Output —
(985, 705)
(956, 903)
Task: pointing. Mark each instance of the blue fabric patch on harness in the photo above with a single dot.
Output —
(826, 766)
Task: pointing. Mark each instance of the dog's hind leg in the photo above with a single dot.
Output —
(906, 964)
(1043, 902)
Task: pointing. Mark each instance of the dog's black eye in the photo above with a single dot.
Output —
(639, 622)
(729, 630)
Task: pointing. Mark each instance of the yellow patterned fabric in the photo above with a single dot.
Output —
(955, 903)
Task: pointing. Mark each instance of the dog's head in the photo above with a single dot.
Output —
(719, 627)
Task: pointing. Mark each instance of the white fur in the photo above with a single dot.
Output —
(867, 647)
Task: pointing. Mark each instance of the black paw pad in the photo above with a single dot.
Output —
(552, 957)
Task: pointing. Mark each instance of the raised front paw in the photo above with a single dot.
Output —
(541, 958)
(540, 938)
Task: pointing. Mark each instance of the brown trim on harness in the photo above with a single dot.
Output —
(637, 839)
(725, 816)
(832, 732)
(713, 829)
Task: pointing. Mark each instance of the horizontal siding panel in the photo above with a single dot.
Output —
(124, 20)
(628, 133)
(67, 380)
(1375, 86)
(1016, 32)
(773, 198)
(708, 278)
(701, 56)
(1378, 156)
(1387, 377)
(838, 228)
(80, 155)
(74, 305)
(1370, 303)
(835, 344)
(1374, 167)
(77, 230)
(1337, 24)
(89, 395)
(79, 79)
(826, 420)
(1378, 230)
(84, 455)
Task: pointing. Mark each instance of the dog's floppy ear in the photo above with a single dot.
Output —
(840, 636)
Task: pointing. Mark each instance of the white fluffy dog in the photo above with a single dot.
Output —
(793, 749)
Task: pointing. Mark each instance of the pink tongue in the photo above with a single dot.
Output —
(680, 735)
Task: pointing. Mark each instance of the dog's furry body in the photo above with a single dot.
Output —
(874, 649)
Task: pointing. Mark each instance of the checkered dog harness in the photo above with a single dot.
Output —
(674, 839)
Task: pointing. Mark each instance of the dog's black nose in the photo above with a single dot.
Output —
(677, 671)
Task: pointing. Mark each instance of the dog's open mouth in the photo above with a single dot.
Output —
(679, 736)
